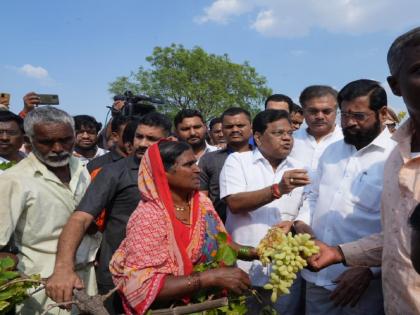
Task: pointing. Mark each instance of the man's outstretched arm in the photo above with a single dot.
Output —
(64, 279)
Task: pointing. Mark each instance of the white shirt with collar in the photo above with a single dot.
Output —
(343, 203)
(250, 171)
(308, 151)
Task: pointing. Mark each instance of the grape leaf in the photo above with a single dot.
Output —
(6, 263)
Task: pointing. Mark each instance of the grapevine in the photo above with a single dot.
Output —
(13, 286)
(287, 255)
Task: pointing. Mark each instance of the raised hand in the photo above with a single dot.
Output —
(328, 255)
(293, 179)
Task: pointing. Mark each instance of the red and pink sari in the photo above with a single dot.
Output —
(157, 244)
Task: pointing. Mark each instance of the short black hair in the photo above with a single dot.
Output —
(364, 87)
(130, 130)
(216, 120)
(118, 121)
(86, 121)
(6, 116)
(232, 111)
(259, 124)
(279, 98)
(170, 151)
(315, 91)
(186, 113)
(297, 109)
(155, 119)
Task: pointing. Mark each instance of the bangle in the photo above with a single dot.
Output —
(275, 191)
(194, 281)
(343, 258)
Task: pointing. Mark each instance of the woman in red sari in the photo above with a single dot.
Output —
(172, 229)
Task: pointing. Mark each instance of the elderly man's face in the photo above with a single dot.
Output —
(53, 143)
(406, 82)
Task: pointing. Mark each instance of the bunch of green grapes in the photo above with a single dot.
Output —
(286, 254)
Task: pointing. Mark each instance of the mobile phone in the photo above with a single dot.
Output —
(48, 99)
(5, 98)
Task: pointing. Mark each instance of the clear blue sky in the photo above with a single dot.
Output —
(75, 48)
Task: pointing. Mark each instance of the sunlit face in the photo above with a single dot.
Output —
(144, 137)
(52, 143)
(237, 128)
(297, 120)
(184, 175)
(216, 134)
(86, 137)
(192, 130)
(360, 124)
(320, 114)
(276, 142)
(406, 82)
(11, 138)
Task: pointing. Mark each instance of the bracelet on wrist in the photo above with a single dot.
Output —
(244, 252)
(194, 281)
(275, 191)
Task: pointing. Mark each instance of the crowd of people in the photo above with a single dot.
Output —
(137, 203)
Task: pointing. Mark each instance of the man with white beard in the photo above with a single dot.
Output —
(38, 195)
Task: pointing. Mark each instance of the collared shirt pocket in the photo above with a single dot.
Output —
(366, 194)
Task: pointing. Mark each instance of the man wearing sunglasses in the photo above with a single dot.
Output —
(343, 204)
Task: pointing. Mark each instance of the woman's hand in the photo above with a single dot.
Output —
(231, 278)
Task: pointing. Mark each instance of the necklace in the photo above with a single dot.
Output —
(182, 208)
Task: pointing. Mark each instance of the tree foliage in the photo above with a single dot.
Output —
(195, 79)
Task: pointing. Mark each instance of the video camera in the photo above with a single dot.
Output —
(135, 105)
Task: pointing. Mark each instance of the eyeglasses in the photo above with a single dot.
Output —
(9, 132)
(355, 116)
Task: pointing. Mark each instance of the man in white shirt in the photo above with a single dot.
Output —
(263, 188)
(344, 202)
(37, 197)
(190, 127)
(319, 103)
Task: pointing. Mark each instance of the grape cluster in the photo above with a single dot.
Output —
(286, 254)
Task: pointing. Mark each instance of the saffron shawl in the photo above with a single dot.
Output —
(156, 243)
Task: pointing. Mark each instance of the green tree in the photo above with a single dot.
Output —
(195, 79)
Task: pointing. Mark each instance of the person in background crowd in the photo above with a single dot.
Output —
(392, 120)
(85, 147)
(115, 189)
(415, 238)
(11, 138)
(296, 117)
(30, 101)
(280, 102)
(118, 151)
(263, 188)
(319, 103)
(105, 139)
(344, 202)
(237, 129)
(4, 101)
(190, 127)
(216, 134)
(38, 195)
(401, 193)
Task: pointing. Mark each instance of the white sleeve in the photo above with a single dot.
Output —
(310, 197)
(232, 178)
